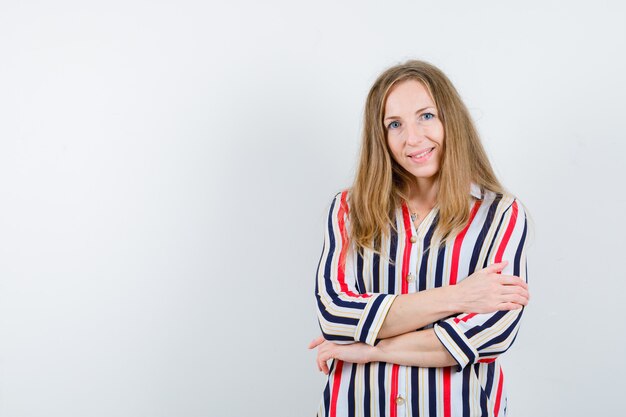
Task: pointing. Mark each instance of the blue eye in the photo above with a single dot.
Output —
(428, 116)
(393, 125)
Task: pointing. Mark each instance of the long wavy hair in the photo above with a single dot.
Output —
(381, 185)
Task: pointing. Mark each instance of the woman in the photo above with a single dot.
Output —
(418, 286)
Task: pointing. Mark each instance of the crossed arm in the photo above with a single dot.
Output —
(419, 348)
(495, 297)
(485, 291)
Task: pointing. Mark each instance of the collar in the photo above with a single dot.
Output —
(476, 191)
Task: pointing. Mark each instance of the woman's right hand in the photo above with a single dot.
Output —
(486, 291)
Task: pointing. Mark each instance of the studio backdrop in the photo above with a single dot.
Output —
(166, 170)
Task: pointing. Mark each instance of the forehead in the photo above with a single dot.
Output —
(407, 96)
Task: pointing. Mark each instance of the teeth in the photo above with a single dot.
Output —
(422, 154)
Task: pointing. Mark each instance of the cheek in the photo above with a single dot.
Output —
(392, 144)
(395, 150)
(440, 132)
(436, 133)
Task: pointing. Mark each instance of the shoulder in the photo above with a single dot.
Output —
(339, 205)
(505, 201)
(507, 208)
(341, 200)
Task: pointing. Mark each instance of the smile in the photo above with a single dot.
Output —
(422, 156)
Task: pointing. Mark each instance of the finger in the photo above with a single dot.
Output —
(325, 368)
(519, 300)
(325, 355)
(321, 361)
(514, 289)
(513, 280)
(320, 365)
(514, 297)
(496, 267)
(316, 342)
(509, 306)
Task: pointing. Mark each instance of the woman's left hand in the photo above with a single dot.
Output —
(354, 352)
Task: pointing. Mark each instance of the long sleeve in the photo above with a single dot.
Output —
(345, 312)
(471, 337)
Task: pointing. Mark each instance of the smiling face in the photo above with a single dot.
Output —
(414, 130)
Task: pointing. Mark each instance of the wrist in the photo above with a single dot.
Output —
(377, 352)
(452, 299)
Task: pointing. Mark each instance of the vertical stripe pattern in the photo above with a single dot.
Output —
(355, 291)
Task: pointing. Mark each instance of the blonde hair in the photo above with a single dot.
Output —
(381, 184)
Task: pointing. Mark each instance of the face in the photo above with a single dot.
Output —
(414, 130)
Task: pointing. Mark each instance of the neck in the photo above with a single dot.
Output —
(423, 193)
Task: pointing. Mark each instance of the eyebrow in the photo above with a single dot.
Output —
(419, 111)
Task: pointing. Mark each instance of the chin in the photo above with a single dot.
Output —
(424, 174)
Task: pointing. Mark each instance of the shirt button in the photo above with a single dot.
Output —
(413, 239)
(410, 278)
(399, 401)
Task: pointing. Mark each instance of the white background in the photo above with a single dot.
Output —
(166, 167)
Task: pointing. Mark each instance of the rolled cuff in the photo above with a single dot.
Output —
(373, 317)
(456, 343)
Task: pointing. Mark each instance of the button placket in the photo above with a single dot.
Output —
(417, 239)
(411, 277)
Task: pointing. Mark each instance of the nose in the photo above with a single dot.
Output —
(414, 133)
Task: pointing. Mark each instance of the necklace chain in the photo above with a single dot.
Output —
(414, 215)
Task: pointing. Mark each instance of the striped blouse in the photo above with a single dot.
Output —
(353, 300)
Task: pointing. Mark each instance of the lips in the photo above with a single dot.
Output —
(421, 153)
